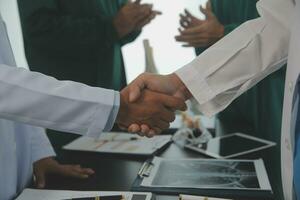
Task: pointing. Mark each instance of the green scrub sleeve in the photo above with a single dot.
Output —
(130, 37)
(230, 27)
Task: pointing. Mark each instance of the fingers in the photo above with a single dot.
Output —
(184, 21)
(188, 14)
(75, 171)
(208, 5)
(167, 115)
(135, 88)
(134, 128)
(145, 21)
(142, 130)
(194, 30)
(174, 103)
(40, 179)
(207, 10)
(145, 129)
(160, 125)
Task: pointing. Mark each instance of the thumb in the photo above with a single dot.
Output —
(40, 179)
(135, 88)
(207, 11)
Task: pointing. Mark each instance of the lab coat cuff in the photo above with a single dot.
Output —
(44, 152)
(102, 112)
(114, 113)
(196, 83)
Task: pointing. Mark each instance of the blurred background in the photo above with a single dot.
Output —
(168, 54)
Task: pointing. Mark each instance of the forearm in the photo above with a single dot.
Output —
(241, 59)
(49, 103)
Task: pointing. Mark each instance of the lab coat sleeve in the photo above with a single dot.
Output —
(241, 59)
(40, 145)
(40, 100)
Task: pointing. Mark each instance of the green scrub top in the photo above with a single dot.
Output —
(257, 112)
(75, 40)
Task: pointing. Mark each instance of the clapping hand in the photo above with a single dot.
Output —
(195, 32)
(133, 16)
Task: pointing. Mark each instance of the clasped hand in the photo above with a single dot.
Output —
(148, 104)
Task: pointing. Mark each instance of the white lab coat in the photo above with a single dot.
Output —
(40, 100)
(20, 146)
(243, 58)
(36, 99)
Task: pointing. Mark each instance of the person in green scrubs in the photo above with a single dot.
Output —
(81, 40)
(258, 112)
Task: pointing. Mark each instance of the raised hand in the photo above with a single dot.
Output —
(187, 20)
(48, 165)
(200, 33)
(167, 84)
(133, 16)
(153, 109)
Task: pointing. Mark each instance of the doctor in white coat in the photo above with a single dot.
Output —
(26, 149)
(36, 99)
(236, 63)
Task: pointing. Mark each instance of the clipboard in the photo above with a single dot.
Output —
(149, 167)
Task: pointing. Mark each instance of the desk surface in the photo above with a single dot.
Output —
(113, 173)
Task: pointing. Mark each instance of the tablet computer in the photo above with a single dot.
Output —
(230, 146)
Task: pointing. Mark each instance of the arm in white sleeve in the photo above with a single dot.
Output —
(40, 100)
(241, 59)
(40, 145)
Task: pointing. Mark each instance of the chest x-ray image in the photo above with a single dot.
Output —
(204, 173)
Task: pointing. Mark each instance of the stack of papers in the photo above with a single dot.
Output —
(30, 194)
(120, 143)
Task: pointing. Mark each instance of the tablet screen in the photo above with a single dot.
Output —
(226, 146)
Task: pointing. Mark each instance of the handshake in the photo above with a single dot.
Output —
(148, 104)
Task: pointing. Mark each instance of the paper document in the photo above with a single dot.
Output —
(120, 143)
(30, 194)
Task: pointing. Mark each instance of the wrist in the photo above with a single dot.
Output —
(123, 109)
(181, 88)
(117, 23)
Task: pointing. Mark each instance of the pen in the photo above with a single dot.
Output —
(113, 197)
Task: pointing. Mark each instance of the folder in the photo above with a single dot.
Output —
(232, 179)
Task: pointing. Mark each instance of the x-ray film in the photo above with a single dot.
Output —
(208, 173)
